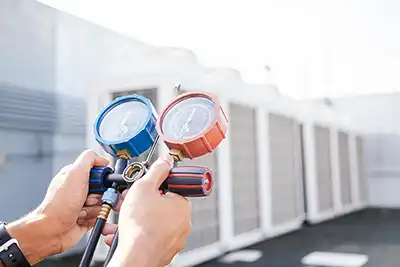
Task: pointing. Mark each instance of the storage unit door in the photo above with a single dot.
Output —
(323, 165)
(344, 163)
(244, 168)
(361, 169)
(285, 169)
(205, 222)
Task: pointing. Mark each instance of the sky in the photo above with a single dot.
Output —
(314, 48)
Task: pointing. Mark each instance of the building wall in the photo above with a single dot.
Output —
(377, 117)
(47, 60)
(27, 44)
(27, 120)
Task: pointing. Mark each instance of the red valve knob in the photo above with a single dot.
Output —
(189, 181)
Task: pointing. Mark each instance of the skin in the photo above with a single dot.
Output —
(154, 231)
(67, 213)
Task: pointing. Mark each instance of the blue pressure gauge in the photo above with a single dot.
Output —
(127, 127)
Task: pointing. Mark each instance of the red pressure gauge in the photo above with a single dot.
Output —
(193, 124)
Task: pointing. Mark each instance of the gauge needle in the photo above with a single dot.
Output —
(124, 127)
(185, 127)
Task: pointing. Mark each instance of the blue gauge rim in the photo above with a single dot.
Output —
(119, 101)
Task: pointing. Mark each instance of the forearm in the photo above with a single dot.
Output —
(33, 238)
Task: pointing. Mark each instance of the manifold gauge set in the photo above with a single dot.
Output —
(191, 126)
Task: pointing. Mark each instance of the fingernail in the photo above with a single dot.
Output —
(82, 213)
(92, 201)
(168, 159)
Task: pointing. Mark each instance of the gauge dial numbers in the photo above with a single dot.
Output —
(123, 121)
(194, 123)
(127, 127)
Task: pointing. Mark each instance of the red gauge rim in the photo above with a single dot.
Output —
(208, 138)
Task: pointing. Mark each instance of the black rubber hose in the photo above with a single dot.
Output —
(92, 243)
(119, 168)
(112, 249)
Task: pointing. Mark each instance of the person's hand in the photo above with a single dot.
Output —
(152, 227)
(64, 216)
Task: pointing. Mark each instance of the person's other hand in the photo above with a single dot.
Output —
(152, 227)
(65, 215)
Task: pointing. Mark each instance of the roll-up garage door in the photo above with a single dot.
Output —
(361, 171)
(244, 168)
(205, 223)
(286, 171)
(324, 175)
(344, 163)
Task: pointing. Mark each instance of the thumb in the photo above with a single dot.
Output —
(159, 171)
(88, 159)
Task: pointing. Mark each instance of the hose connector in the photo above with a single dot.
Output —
(110, 197)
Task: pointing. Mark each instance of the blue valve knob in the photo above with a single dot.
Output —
(96, 179)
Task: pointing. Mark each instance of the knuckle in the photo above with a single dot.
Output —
(89, 152)
(161, 165)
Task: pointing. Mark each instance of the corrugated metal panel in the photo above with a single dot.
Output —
(244, 168)
(361, 169)
(205, 222)
(285, 172)
(324, 175)
(34, 110)
(344, 163)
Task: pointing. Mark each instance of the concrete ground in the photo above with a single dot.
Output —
(372, 232)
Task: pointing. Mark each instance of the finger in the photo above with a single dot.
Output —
(109, 229)
(88, 159)
(108, 240)
(172, 195)
(159, 171)
(121, 198)
(178, 198)
(93, 200)
(89, 223)
(89, 212)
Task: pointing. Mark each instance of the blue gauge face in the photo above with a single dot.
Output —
(188, 118)
(123, 121)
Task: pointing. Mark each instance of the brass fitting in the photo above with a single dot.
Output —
(177, 154)
(104, 212)
(124, 154)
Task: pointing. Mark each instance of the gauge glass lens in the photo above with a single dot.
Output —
(123, 121)
(188, 118)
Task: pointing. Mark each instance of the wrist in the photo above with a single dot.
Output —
(140, 253)
(35, 241)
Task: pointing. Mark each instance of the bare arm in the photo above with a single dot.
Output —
(33, 237)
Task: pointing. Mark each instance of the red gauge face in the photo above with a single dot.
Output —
(188, 119)
(194, 123)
